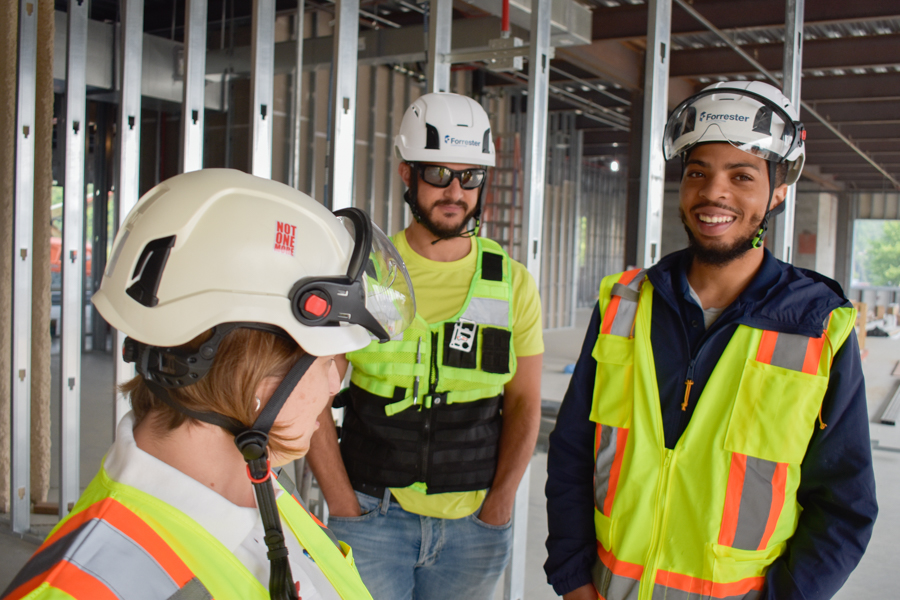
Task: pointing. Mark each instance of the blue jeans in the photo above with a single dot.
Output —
(405, 556)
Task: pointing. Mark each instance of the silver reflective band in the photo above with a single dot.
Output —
(107, 554)
(488, 311)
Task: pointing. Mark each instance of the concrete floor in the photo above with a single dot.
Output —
(874, 578)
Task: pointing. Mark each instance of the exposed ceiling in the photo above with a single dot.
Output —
(851, 68)
(851, 71)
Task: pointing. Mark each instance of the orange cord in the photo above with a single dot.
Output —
(687, 393)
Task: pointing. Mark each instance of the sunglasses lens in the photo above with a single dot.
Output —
(471, 178)
(437, 176)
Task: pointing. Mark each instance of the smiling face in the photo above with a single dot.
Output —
(445, 211)
(297, 421)
(724, 193)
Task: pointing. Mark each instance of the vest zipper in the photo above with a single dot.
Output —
(434, 401)
(660, 518)
(689, 382)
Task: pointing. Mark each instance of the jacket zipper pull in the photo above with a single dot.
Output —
(689, 382)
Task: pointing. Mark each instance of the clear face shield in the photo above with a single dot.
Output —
(748, 121)
(376, 293)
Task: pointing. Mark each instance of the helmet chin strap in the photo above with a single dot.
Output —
(764, 226)
(252, 443)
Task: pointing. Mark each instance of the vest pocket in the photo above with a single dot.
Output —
(614, 383)
(603, 527)
(774, 412)
(741, 571)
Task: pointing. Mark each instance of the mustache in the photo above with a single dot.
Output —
(713, 204)
(459, 203)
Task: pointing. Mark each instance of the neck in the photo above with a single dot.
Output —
(422, 242)
(204, 452)
(720, 285)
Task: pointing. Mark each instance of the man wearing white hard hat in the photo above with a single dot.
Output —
(713, 442)
(441, 422)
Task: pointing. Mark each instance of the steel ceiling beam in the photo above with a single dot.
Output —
(853, 113)
(628, 22)
(872, 131)
(843, 53)
(727, 39)
(850, 88)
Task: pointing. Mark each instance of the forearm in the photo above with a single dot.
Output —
(521, 422)
(327, 465)
(571, 541)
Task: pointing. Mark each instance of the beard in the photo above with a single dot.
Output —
(719, 256)
(444, 231)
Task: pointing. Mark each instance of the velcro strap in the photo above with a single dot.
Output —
(625, 292)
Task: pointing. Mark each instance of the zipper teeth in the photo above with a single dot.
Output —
(659, 523)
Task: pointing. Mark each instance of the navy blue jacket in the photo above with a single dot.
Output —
(837, 487)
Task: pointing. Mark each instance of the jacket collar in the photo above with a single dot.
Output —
(781, 297)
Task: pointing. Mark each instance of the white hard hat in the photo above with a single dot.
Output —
(445, 128)
(751, 115)
(220, 246)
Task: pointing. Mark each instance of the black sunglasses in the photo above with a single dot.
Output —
(441, 177)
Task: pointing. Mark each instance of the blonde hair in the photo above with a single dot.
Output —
(244, 359)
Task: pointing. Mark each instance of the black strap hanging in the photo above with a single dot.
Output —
(253, 443)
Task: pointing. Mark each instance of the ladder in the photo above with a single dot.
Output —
(504, 196)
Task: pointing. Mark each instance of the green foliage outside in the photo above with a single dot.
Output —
(876, 256)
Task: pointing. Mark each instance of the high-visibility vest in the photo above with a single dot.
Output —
(119, 542)
(705, 519)
(396, 433)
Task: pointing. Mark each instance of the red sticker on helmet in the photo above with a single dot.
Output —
(285, 237)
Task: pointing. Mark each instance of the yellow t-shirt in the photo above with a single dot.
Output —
(441, 289)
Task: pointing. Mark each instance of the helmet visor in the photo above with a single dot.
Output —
(748, 121)
(376, 265)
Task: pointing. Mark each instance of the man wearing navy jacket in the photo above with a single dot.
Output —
(713, 442)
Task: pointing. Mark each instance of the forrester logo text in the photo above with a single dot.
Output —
(452, 141)
(705, 116)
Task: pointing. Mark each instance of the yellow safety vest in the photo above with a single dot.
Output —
(427, 407)
(120, 540)
(469, 355)
(707, 518)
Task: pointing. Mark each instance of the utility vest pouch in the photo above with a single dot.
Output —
(774, 412)
(614, 388)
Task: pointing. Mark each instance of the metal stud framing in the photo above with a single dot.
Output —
(440, 23)
(297, 97)
(129, 135)
(793, 61)
(536, 132)
(192, 106)
(20, 465)
(72, 258)
(262, 85)
(343, 108)
(653, 164)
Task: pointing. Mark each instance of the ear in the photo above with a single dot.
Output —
(264, 391)
(778, 195)
(405, 173)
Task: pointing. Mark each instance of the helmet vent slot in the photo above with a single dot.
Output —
(432, 137)
(148, 271)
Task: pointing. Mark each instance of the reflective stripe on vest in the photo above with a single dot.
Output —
(619, 316)
(755, 493)
(609, 442)
(184, 552)
(107, 551)
(710, 538)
